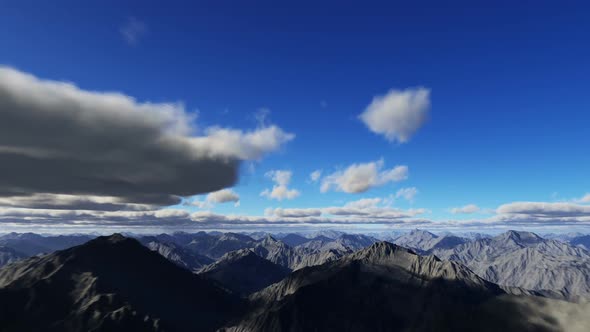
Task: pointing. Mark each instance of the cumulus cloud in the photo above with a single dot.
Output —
(358, 178)
(56, 138)
(467, 209)
(280, 190)
(315, 175)
(223, 196)
(398, 114)
(407, 193)
(133, 30)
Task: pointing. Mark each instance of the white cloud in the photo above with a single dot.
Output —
(280, 190)
(358, 178)
(467, 209)
(315, 175)
(201, 204)
(133, 30)
(398, 114)
(223, 196)
(235, 143)
(366, 210)
(583, 199)
(293, 213)
(407, 193)
(364, 203)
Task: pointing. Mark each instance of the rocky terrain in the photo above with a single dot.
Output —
(117, 284)
(109, 284)
(244, 272)
(385, 287)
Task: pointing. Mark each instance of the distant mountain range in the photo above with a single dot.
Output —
(514, 259)
(120, 284)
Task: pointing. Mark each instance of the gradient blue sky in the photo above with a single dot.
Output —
(509, 80)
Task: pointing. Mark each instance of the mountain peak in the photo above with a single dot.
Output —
(381, 250)
(422, 232)
(520, 237)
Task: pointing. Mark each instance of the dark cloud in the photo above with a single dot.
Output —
(58, 139)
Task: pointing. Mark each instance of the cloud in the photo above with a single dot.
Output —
(223, 196)
(280, 191)
(133, 30)
(71, 202)
(261, 116)
(398, 114)
(315, 175)
(56, 138)
(583, 199)
(293, 213)
(364, 203)
(467, 209)
(407, 193)
(542, 210)
(358, 178)
(366, 210)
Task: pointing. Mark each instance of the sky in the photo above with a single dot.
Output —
(266, 115)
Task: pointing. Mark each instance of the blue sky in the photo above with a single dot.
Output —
(508, 117)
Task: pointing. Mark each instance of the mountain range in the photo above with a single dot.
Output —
(117, 283)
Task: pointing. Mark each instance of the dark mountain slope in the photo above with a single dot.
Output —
(9, 255)
(177, 254)
(109, 284)
(244, 272)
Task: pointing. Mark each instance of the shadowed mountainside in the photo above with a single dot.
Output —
(109, 284)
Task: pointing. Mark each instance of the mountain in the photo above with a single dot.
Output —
(343, 243)
(9, 255)
(524, 259)
(355, 241)
(294, 240)
(332, 234)
(424, 241)
(31, 244)
(215, 246)
(276, 252)
(244, 272)
(109, 284)
(582, 241)
(389, 288)
(177, 254)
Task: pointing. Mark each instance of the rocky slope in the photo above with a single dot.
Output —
(109, 284)
(523, 259)
(424, 241)
(388, 288)
(177, 254)
(9, 255)
(244, 272)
